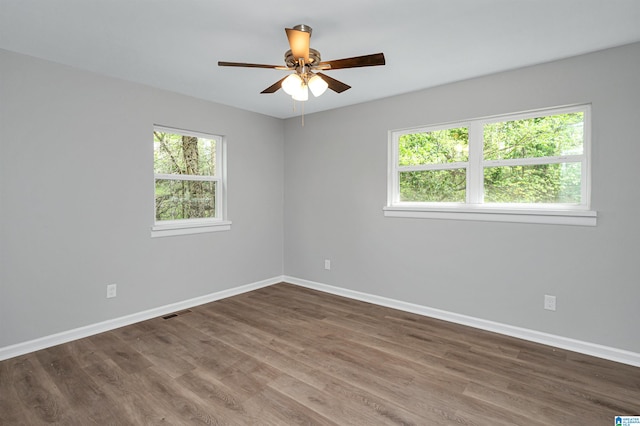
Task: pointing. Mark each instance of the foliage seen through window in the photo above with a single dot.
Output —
(185, 175)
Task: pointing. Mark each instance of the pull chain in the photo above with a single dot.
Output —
(302, 109)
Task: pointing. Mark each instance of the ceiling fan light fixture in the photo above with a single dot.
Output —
(302, 94)
(292, 84)
(317, 85)
(305, 64)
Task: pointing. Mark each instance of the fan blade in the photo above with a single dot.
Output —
(335, 85)
(358, 61)
(242, 64)
(275, 86)
(299, 42)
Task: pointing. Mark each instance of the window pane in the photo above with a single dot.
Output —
(183, 155)
(546, 183)
(437, 147)
(550, 136)
(433, 186)
(183, 199)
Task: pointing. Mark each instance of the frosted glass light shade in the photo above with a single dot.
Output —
(317, 85)
(302, 94)
(292, 84)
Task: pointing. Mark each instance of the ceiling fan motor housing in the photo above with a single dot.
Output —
(291, 62)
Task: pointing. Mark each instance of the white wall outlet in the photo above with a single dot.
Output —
(111, 290)
(327, 264)
(549, 302)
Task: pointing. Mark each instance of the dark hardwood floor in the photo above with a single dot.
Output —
(288, 355)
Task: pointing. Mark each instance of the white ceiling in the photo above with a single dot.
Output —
(176, 44)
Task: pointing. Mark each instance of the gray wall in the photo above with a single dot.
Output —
(76, 194)
(335, 188)
(76, 204)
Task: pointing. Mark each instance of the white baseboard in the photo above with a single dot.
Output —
(593, 349)
(89, 330)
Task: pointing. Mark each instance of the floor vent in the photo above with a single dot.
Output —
(175, 314)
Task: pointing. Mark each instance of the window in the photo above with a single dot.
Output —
(526, 167)
(189, 182)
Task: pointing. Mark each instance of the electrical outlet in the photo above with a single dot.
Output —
(327, 264)
(549, 302)
(111, 290)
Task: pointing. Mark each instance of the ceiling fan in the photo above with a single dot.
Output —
(306, 65)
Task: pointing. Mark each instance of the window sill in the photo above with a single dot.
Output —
(488, 214)
(169, 230)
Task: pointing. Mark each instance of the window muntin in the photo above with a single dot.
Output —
(536, 160)
(189, 186)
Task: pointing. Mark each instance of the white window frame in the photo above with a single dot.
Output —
(166, 228)
(474, 208)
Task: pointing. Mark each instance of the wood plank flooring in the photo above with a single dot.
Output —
(288, 355)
